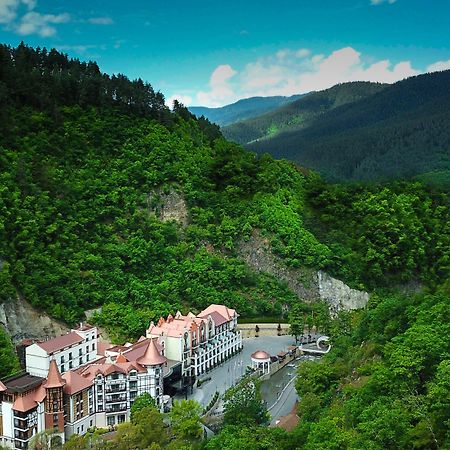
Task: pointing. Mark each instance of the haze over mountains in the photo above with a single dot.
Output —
(359, 130)
(242, 109)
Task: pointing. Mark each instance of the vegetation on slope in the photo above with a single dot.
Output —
(299, 114)
(77, 230)
(397, 131)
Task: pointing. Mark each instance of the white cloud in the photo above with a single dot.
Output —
(294, 71)
(379, 2)
(41, 24)
(78, 49)
(28, 22)
(220, 87)
(185, 99)
(8, 10)
(101, 20)
(302, 52)
(439, 65)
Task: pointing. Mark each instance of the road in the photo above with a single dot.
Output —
(227, 374)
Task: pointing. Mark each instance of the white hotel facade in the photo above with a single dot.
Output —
(70, 386)
(199, 342)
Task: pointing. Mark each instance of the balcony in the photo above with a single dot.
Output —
(116, 387)
(20, 424)
(116, 408)
(22, 435)
(116, 398)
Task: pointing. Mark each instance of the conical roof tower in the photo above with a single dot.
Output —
(152, 356)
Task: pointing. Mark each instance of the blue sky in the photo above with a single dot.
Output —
(213, 52)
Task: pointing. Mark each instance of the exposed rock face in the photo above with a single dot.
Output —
(22, 321)
(258, 256)
(308, 284)
(167, 205)
(338, 295)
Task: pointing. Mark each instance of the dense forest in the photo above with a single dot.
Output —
(361, 131)
(84, 170)
(300, 113)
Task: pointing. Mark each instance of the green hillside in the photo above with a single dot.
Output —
(241, 110)
(399, 132)
(87, 164)
(300, 114)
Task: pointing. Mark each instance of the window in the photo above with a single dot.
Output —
(91, 423)
(62, 368)
(70, 355)
(111, 420)
(62, 359)
(87, 357)
(80, 352)
(70, 364)
(87, 348)
(81, 361)
(93, 346)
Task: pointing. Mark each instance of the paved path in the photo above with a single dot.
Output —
(285, 402)
(228, 374)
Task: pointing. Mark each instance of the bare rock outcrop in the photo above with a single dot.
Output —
(168, 204)
(309, 285)
(21, 320)
(338, 295)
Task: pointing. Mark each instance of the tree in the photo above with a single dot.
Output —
(185, 420)
(297, 319)
(144, 400)
(234, 437)
(46, 440)
(8, 359)
(146, 430)
(243, 404)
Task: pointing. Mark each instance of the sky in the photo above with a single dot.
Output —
(212, 52)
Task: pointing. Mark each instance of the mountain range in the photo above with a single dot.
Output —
(360, 130)
(243, 109)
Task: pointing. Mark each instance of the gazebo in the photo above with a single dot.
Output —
(261, 361)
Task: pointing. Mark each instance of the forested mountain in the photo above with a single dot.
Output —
(242, 109)
(85, 166)
(299, 114)
(400, 131)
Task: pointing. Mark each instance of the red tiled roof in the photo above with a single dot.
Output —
(54, 378)
(121, 359)
(75, 383)
(102, 347)
(152, 356)
(24, 403)
(2, 387)
(216, 317)
(223, 310)
(60, 342)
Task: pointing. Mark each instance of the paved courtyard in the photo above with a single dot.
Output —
(229, 372)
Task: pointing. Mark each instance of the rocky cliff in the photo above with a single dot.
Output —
(22, 321)
(308, 284)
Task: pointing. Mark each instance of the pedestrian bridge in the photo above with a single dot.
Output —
(320, 347)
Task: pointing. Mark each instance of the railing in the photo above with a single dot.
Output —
(116, 408)
(20, 424)
(116, 387)
(120, 398)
